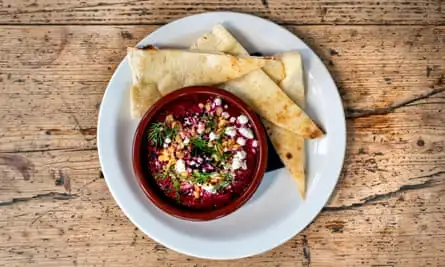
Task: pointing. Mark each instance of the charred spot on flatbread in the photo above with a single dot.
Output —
(289, 155)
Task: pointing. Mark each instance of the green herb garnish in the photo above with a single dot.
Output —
(225, 156)
(171, 132)
(228, 179)
(158, 131)
(201, 145)
(177, 186)
(212, 124)
(161, 175)
(201, 177)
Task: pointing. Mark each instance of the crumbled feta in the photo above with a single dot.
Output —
(201, 128)
(186, 141)
(242, 119)
(230, 131)
(226, 107)
(246, 132)
(217, 101)
(238, 160)
(192, 163)
(255, 143)
(167, 140)
(165, 145)
(241, 154)
(225, 115)
(236, 164)
(209, 188)
(241, 141)
(232, 119)
(180, 166)
(244, 165)
(212, 136)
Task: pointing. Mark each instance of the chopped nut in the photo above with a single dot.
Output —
(196, 191)
(219, 111)
(169, 119)
(179, 154)
(208, 106)
(164, 158)
(221, 123)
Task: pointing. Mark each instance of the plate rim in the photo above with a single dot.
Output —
(271, 245)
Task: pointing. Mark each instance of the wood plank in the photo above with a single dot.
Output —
(74, 73)
(387, 209)
(282, 11)
(404, 228)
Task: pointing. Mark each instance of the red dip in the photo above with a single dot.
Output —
(201, 152)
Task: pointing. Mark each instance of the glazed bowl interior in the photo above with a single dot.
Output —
(147, 182)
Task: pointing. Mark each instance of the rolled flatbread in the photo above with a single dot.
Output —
(289, 76)
(157, 72)
(260, 91)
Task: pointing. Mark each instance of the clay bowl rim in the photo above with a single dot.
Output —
(154, 195)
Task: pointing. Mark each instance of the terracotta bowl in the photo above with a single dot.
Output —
(149, 186)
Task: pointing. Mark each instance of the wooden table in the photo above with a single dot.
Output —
(388, 60)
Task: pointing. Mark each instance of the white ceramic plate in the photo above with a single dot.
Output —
(275, 213)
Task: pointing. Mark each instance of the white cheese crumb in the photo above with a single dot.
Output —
(180, 166)
(225, 115)
(201, 128)
(209, 188)
(236, 164)
(217, 101)
(226, 107)
(165, 145)
(246, 132)
(186, 141)
(241, 141)
(212, 136)
(232, 119)
(241, 154)
(255, 143)
(230, 131)
(238, 160)
(244, 165)
(167, 140)
(242, 119)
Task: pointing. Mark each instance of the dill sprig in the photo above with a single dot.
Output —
(161, 175)
(212, 124)
(177, 186)
(171, 132)
(201, 145)
(228, 179)
(201, 177)
(158, 131)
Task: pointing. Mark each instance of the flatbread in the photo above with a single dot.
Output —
(157, 72)
(258, 90)
(289, 146)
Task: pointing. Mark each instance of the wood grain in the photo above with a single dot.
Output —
(282, 11)
(55, 209)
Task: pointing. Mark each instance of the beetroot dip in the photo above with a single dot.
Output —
(201, 152)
